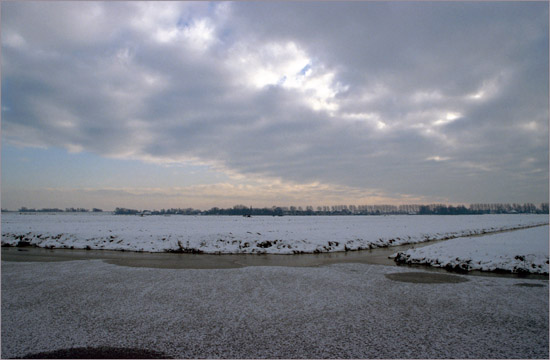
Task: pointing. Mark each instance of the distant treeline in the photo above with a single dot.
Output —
(432, 209)
(414, 209)
(24, 209)
(188, 211)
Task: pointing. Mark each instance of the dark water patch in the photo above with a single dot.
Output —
(529, 285)
(102, 352)
(425, 277)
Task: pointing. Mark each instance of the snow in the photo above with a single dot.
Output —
(256, 235)
(521, 251)
(336, 311)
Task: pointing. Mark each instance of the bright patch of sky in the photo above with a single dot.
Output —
(287, 66)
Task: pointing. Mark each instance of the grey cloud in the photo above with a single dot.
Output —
(449, 50)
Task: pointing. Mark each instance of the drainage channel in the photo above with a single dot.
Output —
(378, 256)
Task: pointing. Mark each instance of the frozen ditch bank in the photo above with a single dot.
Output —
(523, 251)
(237, 235)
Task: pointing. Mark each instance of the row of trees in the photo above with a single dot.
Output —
(411, 209)
(188, 211)
(24, 209)
(431, 209)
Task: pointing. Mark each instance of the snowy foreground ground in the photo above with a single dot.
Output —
(230, 234)
(522, 251)
(336, 311)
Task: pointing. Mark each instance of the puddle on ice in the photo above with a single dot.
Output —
(529, 285)
(425, 277)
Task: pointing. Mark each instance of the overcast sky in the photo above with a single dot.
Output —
(188, 104)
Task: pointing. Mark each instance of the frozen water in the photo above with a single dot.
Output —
(337, 311)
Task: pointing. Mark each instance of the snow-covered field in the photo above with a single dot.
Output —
(230, 234)
(522, 251)
(346, 310)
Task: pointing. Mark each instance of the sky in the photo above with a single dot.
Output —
(202, 104)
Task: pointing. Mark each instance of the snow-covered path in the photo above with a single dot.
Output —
(336, 311)
(521, 251)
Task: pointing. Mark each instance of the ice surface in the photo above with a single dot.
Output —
(230, 234)
(516, 251)
(337, 311)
